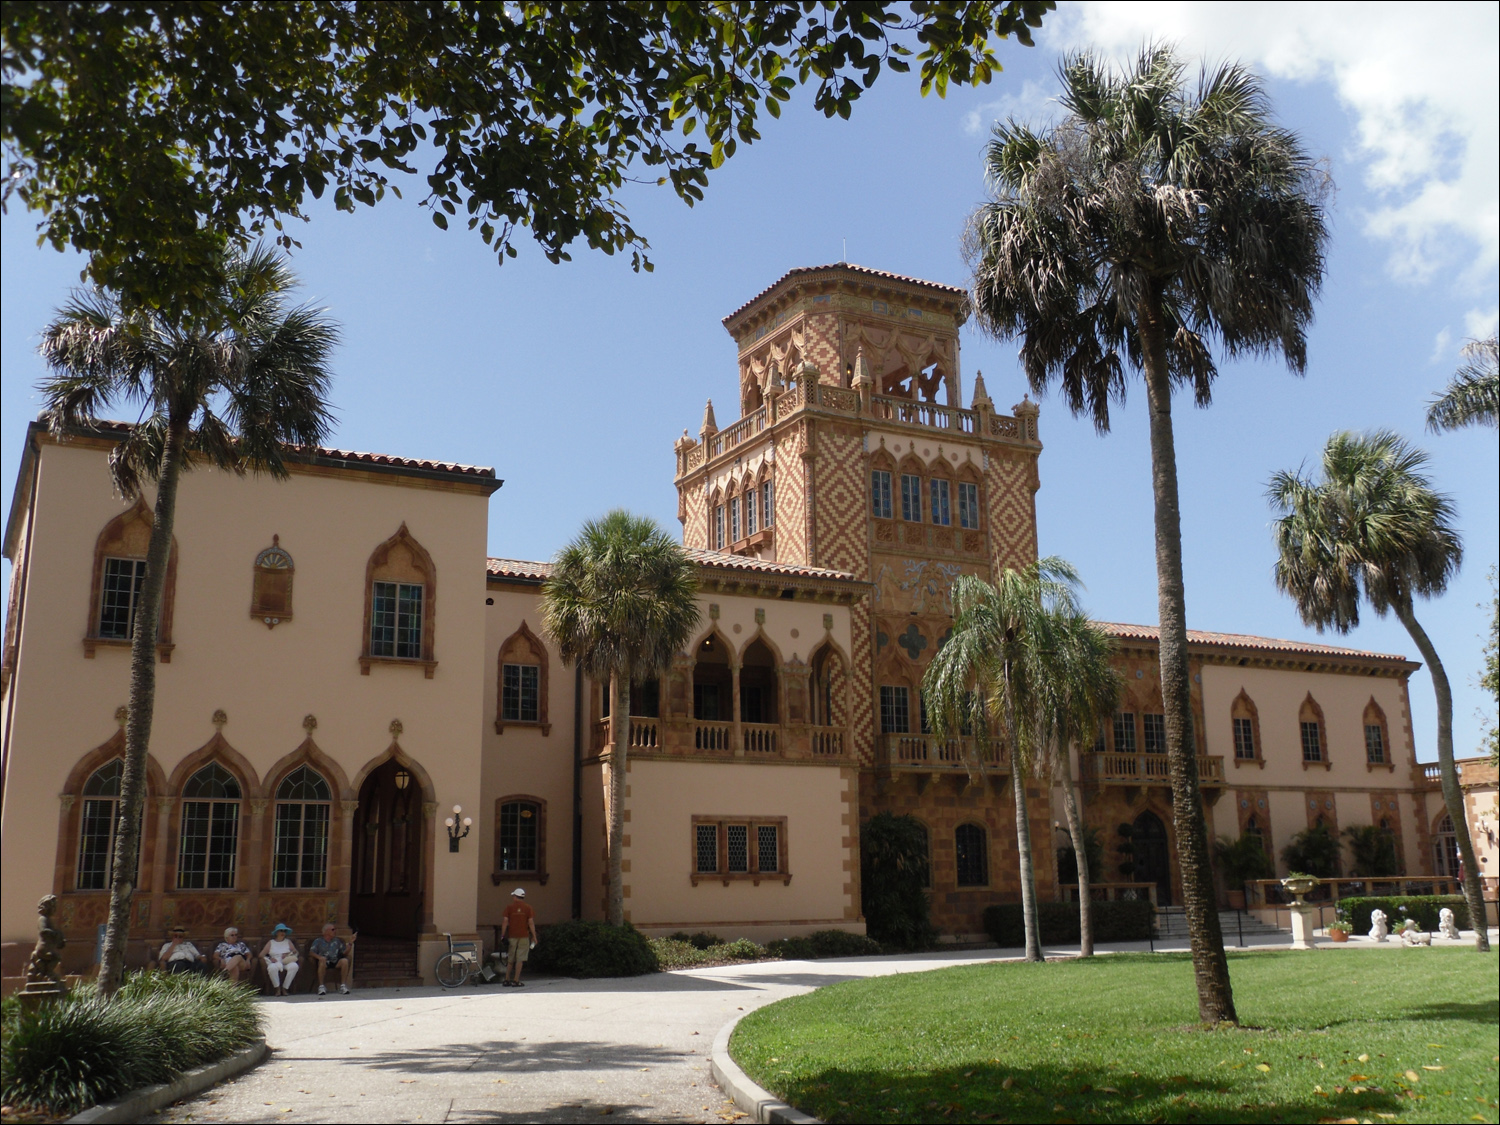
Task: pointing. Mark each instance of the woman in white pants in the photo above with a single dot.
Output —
(280, 956)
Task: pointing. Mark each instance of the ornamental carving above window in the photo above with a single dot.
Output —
(271, 595)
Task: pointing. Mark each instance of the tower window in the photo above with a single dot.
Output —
(1374, 743)
(895, 710)
(1244, 740)
(119, 597)
(719, 528)
(734, 519)
(1154, 728)
(911, 497)
(1124, 732)
(766, 510)
(396, 620)
(880, 494)
(750, 512)
(968, 505)
(940, 511)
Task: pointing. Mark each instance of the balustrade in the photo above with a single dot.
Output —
(928, 749)
(928, 414)
(759, 738)
(645, 734)
(712, 736)
(828, 742)
(1146, 769)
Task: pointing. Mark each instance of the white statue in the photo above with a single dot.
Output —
(1412, 935)
(1378, 927)
(1446, 925)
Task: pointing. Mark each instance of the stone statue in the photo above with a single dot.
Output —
(1446, 925)
(1378, 927)
(42, 976)
(1412, 934)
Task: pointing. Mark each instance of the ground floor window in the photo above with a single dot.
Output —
(731, 846)
(971, 849)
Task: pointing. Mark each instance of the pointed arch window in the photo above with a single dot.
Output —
(209, 842)
(119, 579)
(1445, 860)
(1314, 734)
(96, 826)
(522, 688)
(304, 805)
(1244, 721)
(400, 604)
(1377, 736)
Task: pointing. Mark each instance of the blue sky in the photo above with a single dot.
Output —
(573, 380)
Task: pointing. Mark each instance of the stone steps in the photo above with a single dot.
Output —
(1171, 922)
(385, 963)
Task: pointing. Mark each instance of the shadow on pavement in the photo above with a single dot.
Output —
(502, 1056)
(592, 1112)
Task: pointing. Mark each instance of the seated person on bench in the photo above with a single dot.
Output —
(280, 956)
(180, 955)
(331, 951)
(232, 955)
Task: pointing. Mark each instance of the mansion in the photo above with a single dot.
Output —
(359, 718)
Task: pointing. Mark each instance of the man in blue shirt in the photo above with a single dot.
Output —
(331, 951)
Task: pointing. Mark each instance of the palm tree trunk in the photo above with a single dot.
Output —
(138, 723)
(1075, 831)
(1199, 899)
(1023, 833)
(1453, 796)
(619, 729)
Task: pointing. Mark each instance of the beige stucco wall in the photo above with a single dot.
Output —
(522, 760)
(1278, 695)
(265, 680)
(818, 802)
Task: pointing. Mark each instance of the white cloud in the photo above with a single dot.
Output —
(1422, 84)
(1442, 345)
(1034, 105)
(1479, 324)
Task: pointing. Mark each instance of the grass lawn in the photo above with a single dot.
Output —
(1377, 1035)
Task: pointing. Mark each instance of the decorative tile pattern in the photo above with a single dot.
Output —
(1012, 509)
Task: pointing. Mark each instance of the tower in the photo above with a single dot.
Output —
(854, 452)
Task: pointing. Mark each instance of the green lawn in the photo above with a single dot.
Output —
(1378, 1035)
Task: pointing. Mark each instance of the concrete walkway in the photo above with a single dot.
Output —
(559, 1050)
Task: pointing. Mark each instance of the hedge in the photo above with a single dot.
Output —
(593, 949)
(66, 1055)
(1424, 908)
(1113, 921)
(823, 943)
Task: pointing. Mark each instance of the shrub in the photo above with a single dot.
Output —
(1315, 851)
(1113, 921)
(741, 949)
(1243, 860)
(1093, 850)
(675, 953)
(64, 1056)
(594, 949)
(823, 943)
(1373, 850)
(1423, 909)
(893, 874)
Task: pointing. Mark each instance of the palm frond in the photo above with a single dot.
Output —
(1473, 395)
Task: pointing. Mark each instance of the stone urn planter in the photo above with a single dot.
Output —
(1236, 900)
(1298, 885)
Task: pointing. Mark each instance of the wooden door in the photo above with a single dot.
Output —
(1151, 864)
(387, 876)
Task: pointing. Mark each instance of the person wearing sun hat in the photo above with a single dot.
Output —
(280, 956)
(519, 929)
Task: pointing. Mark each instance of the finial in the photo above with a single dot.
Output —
(121, 714)
(981, 396)
(396, 728)
(862, 376)
(220, 718)
(709, 425)
(309, 723)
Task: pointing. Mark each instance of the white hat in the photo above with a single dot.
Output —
(519, 892)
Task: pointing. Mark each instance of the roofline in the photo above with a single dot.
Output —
(715, 575)
(1383, 661)
(19, 498)
(867, 274)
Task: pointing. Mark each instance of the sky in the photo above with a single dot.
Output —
(573, 380)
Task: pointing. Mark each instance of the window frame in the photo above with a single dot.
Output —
(911, 497)
(421, 563)
(127, 537)
(968, 505)
(302, 804)
(939, 501)
(500, 874)
(767, 504)
(218, 810)
(880, 494)
(1310, 714)
(752, 825)
(1147, 740)
(905, 707)
(1124, 722)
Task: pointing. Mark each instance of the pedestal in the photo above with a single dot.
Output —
(1302, 925)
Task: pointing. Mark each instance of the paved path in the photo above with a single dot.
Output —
(562, 1050)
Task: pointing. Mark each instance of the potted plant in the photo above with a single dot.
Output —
(1341, 926)
(1299, 883)
(1242, 861)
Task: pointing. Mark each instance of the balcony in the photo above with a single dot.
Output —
(1143, 769)
(928, 752)
(702, 738)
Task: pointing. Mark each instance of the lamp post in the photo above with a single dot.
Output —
(458, 827)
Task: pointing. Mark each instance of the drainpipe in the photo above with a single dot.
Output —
(578, 792)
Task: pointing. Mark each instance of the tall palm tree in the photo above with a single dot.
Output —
(1373, 528)
(1149, 223)
(1078, 690)
(621, 602)
(234, 385)
(988, 676)
(1473, 394)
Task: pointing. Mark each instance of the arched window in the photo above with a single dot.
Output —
(96, 826)
(940, 498)
(210, 838)
(271, 594)
(1244, 721)
(520, 839)
(1445, 849)
(1314, 733)
(1252, 828)
(911, 491)
(827, 686)
(971, 849)
(303, 808)
(400, 604)
(968, 499)
(1377, 735)
(522, 687)
(119, 578)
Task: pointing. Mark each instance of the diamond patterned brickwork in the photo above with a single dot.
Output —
(692, 508)
(862, 684)
(791, 476)
(1010, 484)
(842, 532)
(820, 346)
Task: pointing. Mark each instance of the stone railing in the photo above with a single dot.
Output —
(759, 738)
(1144, 769)
(1110, 892)
(929, 414)
(1270, 892)
(930, 751)
(746, 428)
(828, 742)
(645, 734)
(712, 736)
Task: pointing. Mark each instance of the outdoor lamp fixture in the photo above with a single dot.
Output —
(403, 779)
(457, 828)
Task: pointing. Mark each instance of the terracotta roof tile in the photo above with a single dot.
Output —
(1245, 641)
(852, 268)
(519, 568)
(355, 457)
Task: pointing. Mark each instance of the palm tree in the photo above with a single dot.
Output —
(234, 385)
(988, 674)
(1473, 394)
(1148, 223)
(1078, 690)
(621, 602)
(1374, 528)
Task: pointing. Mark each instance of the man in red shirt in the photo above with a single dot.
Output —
(520, 931)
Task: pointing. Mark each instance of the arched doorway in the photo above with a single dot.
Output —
(387, 876)
(758, 702)
(1149, 839)
(713, 683)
